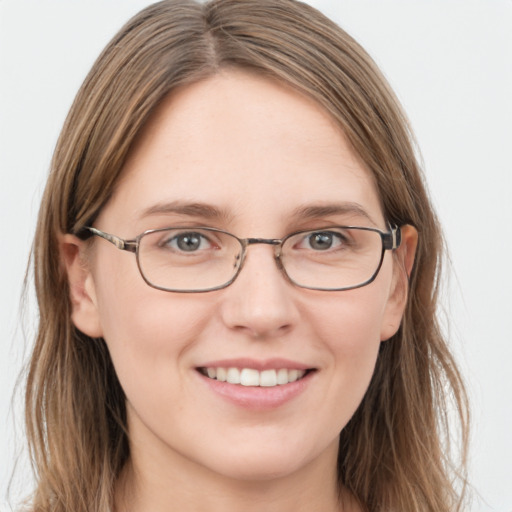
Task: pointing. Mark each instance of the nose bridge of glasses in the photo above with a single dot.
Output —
(276, 242)
(268, 241)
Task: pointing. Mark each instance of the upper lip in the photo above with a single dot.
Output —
(256, 364)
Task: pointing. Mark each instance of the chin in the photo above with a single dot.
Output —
(264, 462)
(261, 470)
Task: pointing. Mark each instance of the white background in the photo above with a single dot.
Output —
(450, 62)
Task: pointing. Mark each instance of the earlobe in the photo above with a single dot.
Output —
(82, 292)
(403, 265)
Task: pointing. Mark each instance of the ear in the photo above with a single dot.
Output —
(82, 292)
(403, 262)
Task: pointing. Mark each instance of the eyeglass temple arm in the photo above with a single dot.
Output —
(120, 243)
(393, 239)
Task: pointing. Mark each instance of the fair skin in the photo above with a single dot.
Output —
(258, 154)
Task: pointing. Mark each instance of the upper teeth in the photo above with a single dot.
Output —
(252, 377)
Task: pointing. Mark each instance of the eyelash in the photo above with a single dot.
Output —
(336, 239)
(168, 241)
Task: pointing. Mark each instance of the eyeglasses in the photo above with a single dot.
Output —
(203, 259)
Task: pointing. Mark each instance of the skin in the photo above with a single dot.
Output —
(256, 151)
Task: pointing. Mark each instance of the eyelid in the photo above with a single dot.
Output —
(171, 236)
(300, 239)
(335, 229)
(324, 224)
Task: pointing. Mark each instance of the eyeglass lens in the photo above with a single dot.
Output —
(192, 259)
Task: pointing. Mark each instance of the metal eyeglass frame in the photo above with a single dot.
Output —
(391, 240)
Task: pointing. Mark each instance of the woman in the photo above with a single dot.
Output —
(272, 342)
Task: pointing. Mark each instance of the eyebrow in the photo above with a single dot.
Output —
(325, 210)
(210, 212)
(195, 209)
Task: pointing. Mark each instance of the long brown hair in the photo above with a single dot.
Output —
(394, 453)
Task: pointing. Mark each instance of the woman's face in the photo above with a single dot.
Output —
(247, 155)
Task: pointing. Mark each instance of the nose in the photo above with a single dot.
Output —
(261, 302)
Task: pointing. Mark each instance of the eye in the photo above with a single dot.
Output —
(187, 242)
(322, 240)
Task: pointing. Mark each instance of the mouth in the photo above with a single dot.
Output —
(251, 377)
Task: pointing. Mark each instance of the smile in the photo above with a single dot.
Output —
(252, 377)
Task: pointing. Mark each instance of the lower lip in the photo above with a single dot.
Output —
(256, 397)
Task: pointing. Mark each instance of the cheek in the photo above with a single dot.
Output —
(148, 331)
(349, 327)
(350, 321)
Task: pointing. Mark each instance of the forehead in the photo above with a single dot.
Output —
(248, 146)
